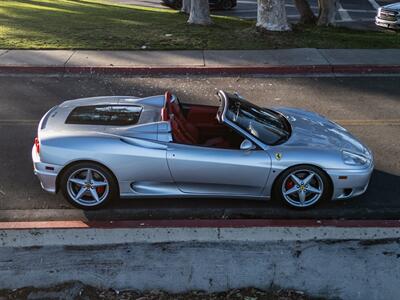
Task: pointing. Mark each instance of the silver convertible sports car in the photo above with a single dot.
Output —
(94, 150)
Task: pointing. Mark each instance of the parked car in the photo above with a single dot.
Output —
(214, 4)
(389, 16)
(94, 150)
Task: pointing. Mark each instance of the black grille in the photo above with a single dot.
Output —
(388, 15)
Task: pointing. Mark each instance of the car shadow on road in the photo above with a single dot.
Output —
(381, 201)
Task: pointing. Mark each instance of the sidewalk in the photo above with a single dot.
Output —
(283, 61)
(330, 259)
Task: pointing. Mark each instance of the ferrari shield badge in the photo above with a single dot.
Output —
(278, 156)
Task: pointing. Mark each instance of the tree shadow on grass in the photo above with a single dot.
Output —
(94, 25)
(73, 24)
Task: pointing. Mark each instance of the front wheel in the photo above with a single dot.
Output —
(88, 185)
(303, 186)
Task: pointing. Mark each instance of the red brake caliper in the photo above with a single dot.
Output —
(289, 184)
(100, 190)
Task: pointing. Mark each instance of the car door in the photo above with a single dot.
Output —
(205, 170)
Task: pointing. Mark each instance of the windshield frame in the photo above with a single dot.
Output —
(226, 101)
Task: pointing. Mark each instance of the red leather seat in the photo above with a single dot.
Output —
(178, 134)
(185, 132)
(187, 126)
(181, 135)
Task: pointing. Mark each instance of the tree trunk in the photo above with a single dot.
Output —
(186, 6)
(271, 15)
(327, 12)
(306, 14)
(200, 13)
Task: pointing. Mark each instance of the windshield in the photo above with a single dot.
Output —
(266, 125)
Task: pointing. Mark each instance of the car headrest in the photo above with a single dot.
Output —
(166, 110)
(168, 97)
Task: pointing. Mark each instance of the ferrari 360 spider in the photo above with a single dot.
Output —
(97, 149)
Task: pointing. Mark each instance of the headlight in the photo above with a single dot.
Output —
(350, 158)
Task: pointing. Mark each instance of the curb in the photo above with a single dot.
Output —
(259, 223)
(325, 262)
(366, 69)
(204, 70)
(231, 70)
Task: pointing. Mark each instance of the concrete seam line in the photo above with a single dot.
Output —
(5, 52)
(321, 52)
(53, 237)
(204, 58)
(69, 58)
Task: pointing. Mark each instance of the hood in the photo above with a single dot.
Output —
(394, 6)
(313, 130)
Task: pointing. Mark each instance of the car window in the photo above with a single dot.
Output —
(113, 115)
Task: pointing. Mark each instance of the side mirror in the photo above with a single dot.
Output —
(246, 145)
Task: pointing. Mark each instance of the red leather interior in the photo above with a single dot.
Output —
(202, 115)
(202, 128)
(165, 110)
(178, 134)
(185, 125)
(218, 142)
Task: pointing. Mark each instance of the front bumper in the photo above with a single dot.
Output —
(350, 183)
(387, 24)
(47, 173)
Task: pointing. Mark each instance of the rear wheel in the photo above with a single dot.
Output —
(226, 4)
(303, 186)
(88, 185)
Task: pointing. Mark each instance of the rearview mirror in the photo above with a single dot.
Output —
(247, 145)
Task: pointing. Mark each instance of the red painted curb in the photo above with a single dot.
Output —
(234, 223)
(365, 69)
(204, 70)
(31, 69)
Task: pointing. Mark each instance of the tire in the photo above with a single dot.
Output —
(88, 185)
(303, 187)
(226, 4)
(177, 5)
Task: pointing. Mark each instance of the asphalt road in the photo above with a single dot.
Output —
(368, 106)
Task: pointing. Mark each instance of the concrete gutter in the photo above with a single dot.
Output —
(281, 61)
(333, 259)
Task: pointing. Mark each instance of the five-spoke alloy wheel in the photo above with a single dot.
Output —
(303, 186)
(88, 185)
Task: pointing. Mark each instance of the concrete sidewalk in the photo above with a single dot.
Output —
(282, 61)
(331, 259)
